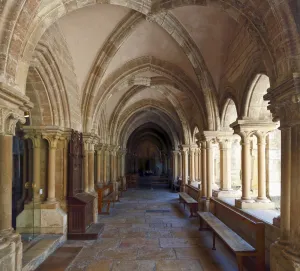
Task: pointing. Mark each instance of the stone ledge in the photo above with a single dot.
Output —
(38, 253)
(254, 205)
(227, 193)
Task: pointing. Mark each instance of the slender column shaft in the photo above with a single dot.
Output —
(192, 165)
(199, 165)
(261, 157)
(204, 179)
(180, 172)
(37, 169)
(246, 168)
(51, 174)
(210, 168)
(175, 165)
(285, 202)
(225, 163)
(196, 165)
(105, 167)
(99, 166)
(184, 169)
(86, 169)
(91, 162)
(6, 159)
(294, 191)
(112, 167)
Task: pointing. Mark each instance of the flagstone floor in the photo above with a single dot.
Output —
(148, 230)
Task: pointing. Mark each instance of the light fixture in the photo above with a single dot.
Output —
(26, 114)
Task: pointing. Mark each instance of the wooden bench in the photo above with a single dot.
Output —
(186, 199)
(241, 228)
(176, 186)
(106, 196)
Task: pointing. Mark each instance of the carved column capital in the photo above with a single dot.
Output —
(13, 103)
(35, 138)
(284, 101)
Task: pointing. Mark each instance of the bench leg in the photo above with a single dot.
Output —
(201, 224)
(214, 241)
(239, 259)
(107, 207)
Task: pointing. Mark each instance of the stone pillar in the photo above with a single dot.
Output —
(184, 153)
(91, 164)
(285, 203)
(99, 162)
(196, 165)
(210, 168)
(36, 144)
(246, 167)
(192, 165)
(175, 165)
(261, 156)
(6, 169)
(105, 153)
(203, 171)
(52, 141)
(86, 167)
(12, 106)
(180, 171)
(285, 106)
(225, 163)
(199, 162)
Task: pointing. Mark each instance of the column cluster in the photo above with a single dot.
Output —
(285, 106)
(247, 129)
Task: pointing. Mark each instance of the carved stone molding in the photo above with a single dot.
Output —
(284, 102)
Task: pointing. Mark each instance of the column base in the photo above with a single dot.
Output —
(45, 218)
(282, 261)
(252, 204)
(227, 193)
(11, 251)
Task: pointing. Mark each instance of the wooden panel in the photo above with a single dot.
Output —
(236, 243)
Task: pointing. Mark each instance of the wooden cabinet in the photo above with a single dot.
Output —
(80, 204)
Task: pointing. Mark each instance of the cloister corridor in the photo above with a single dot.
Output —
(114, 114)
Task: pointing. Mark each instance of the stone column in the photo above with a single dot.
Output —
(91, 164)
(175, 165)
(203, 171)
(192, 165)
(184, 153)
(99, 161)
(6, 169)
(246, 167)
(105, 152)
(86, 166)
(225, 161)
(12, 106)
(199, 162)
(210, 168)
(36, 144)
(261, 156)
(196, 165)
(180, 171)
(52, 141)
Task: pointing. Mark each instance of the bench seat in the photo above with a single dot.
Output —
(233, 240)
(243, 235)
(187, 199)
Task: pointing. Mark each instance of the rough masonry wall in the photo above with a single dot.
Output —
(57, 46)
(244, 60)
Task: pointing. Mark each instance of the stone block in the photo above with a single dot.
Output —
(227, 193)
(254, 205)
